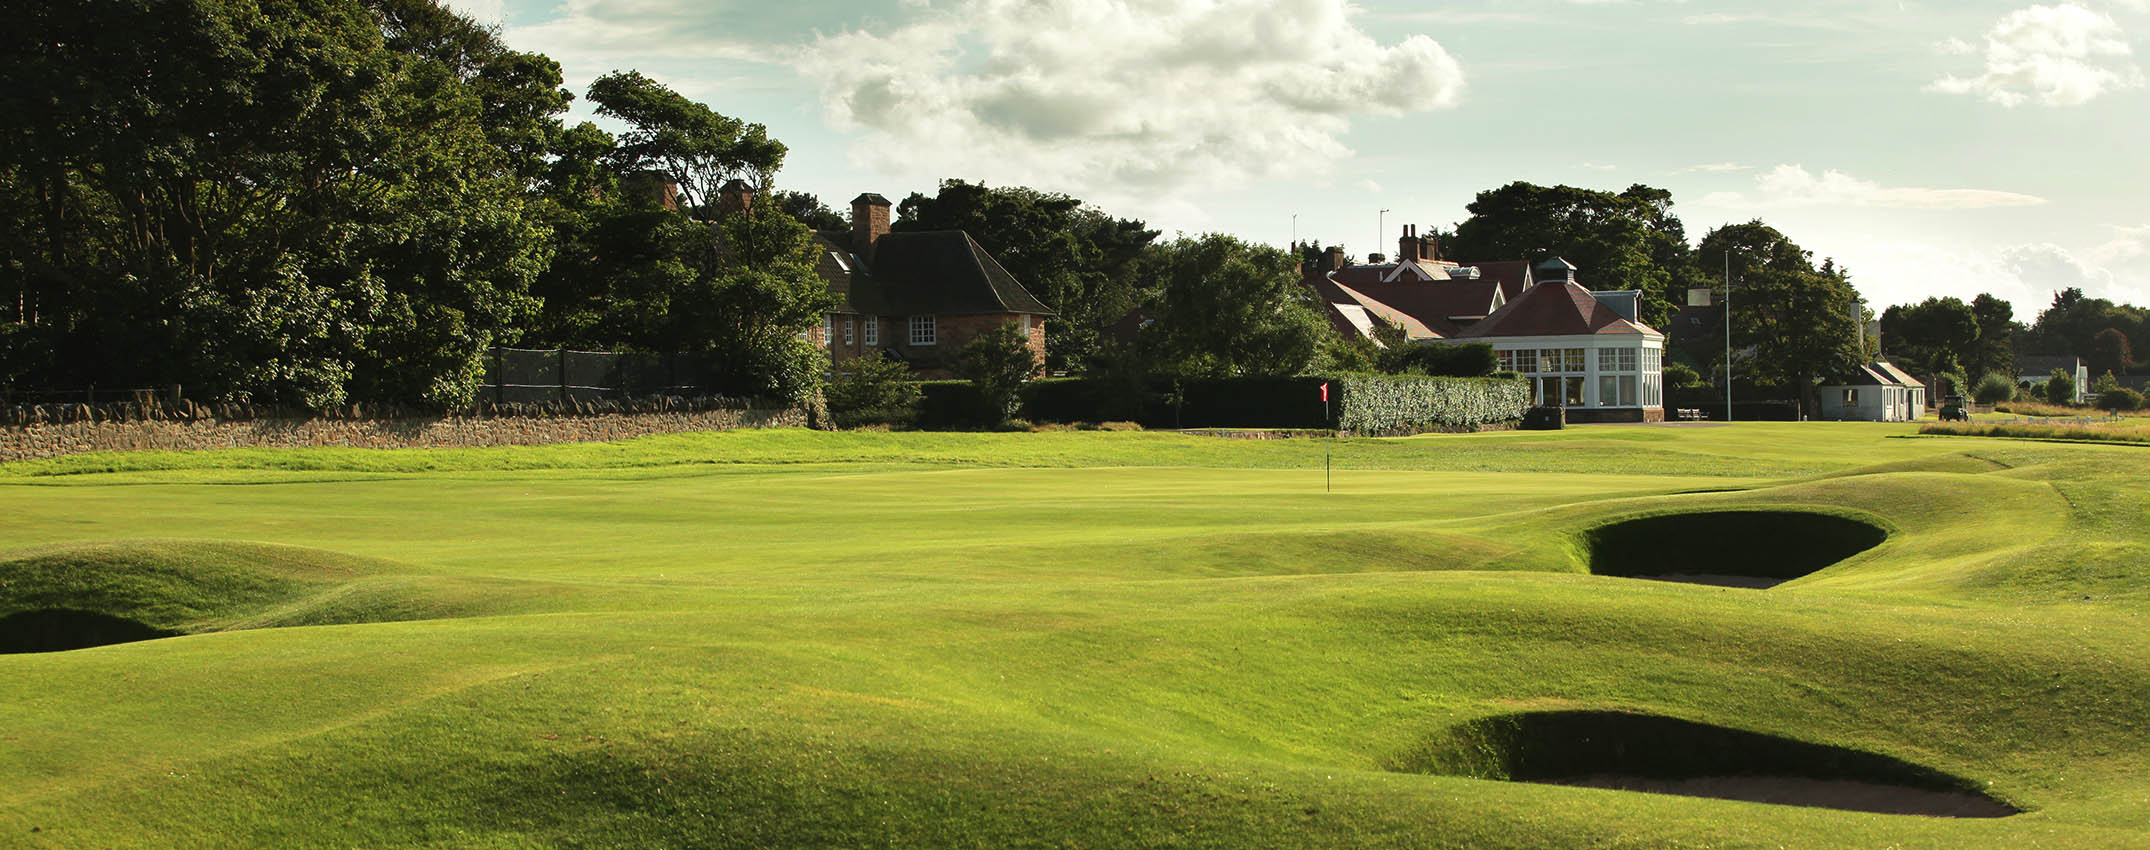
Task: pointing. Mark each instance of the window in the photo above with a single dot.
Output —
(1526, 360)
(1549, 360)
(1627, 391)
(1574, 397)
(1608, 391)
(1616, 360)
(848, 324)
(873, 330)
(924, 331)
(1026, 325)
(828, 329)
(1507, 360)
(1574, 360)
(1851, 398)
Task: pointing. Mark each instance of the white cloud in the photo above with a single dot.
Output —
(1794, 186)
(2064, 55)
(1717, 168)
(2128, 243)
(1121, 95)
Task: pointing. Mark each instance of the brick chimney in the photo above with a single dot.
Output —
(735, 196)
(1407, 246)
(869, 222)
(1336, 259)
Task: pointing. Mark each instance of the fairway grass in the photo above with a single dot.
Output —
(801, 639)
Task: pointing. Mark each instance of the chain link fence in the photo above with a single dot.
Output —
(535, 376)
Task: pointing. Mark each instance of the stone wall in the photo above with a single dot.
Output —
(26, 442)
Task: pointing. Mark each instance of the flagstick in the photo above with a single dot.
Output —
(1327, 482)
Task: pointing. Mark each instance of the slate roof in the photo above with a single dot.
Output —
(2042, 365)
(1554, 308)
(937, 272)
(1880, 373)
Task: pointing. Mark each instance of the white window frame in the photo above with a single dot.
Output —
(873, 330)
(850, 325)
(828, 329)
(925, 330)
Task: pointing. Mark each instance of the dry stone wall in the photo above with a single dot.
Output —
(52, 439)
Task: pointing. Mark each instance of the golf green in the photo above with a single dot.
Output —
(1081, 639)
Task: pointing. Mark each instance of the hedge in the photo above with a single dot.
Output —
(1387, 404)
(1367, 404)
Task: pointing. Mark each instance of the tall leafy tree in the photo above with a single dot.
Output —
(1995, 352)
(1937, 335)
(680, 139)
(1626, 240)
(1077, 259)
(275, 200)
(1794, 320)
(1226, 307)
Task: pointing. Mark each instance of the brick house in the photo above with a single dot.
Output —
(1583, 350)
(916, 296)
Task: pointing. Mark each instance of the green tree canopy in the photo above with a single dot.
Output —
(681, 139)
(1226, 307)
(1794, 319)
(1628, 240)
(301, 201)
(1934, 335)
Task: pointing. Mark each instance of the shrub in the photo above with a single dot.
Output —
(873, 390)
(1467, 360)
(1994, 389)
(2119, 399)
(2060, 389)
(1681, 376)
(1379, 404)
(997, 363)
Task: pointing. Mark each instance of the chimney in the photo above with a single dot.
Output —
(1336, 259)
(655, 187)
(869, 222)
(735, 196)
(1429, 247)
(1407, 246)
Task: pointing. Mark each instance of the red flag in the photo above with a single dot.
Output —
(1325, 391)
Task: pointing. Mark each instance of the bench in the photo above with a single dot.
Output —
(1688, 414)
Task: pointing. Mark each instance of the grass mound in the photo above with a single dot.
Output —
(1641, 752)
(81, 595)
(1764, 546)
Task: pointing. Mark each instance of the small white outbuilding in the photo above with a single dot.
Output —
(1876, 392)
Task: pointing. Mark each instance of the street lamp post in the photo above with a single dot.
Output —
(1381, 228)
(1728, 335)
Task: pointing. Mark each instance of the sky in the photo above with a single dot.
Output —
(1930, 148)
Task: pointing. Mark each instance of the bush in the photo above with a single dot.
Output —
(1380, 404)
(997, 363)
(2060, 389)
(873, 390)
(2120, 399)
(1467, 360)
(1994, 389)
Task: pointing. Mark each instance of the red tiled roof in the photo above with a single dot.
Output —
(1512, 275)
(1554, 308)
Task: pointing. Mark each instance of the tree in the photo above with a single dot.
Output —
(1994, 388)
(1077, 259)
(300, 201)
(1628, 240)
(680, 139)
(1995, 350)
(1226, 307)
(2109, 352)
(809, 210)
(873, 390)
(997, 363)
(1795, 319)
(2120, 399)
(1936, 335)
(2060, 388)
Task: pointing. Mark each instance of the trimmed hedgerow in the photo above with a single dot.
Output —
(1384, 404)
